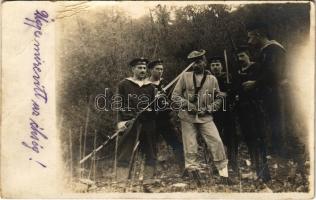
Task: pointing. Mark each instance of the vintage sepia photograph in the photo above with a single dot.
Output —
(163, 97)
(158, 99)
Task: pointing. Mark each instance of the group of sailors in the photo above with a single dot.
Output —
(211, 102)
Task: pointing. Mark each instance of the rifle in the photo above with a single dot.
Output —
(100, 147)
(234, 75)
(232, 43)
(139, 127)
(226, 66)
(177, 78)
(110, 138)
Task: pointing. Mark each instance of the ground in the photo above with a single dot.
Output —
(286, 175)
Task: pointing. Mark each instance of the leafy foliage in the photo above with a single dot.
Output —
(95, 48)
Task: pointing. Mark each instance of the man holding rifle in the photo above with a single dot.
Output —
(136, 94)
(198, 94)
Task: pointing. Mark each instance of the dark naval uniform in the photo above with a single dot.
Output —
(166, 126)
(251, 120)
(135, 97)
(225, 121)
(272, 73)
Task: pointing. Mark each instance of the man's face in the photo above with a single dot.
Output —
(254, 38)
(243, 58)
(216, 67)
(199, 64)
(157, 71)
(140, 71)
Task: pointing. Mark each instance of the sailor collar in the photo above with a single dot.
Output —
(270, 43)
(247, 67)
(140, 83)
(155, 82)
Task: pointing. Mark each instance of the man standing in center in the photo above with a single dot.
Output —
(199, 96)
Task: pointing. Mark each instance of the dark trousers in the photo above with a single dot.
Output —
(286, 129)
(166, 127)
(273, 109)
(225, 123)
(251, 120)
(147, 142)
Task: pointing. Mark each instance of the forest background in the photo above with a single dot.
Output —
(96, 44)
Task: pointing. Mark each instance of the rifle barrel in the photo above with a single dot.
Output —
(99, 148)
(116, 133)
(226, 66)
(177, 78)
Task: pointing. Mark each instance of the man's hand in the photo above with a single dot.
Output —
(249, 85)
(202, 112)
(192, 109)
(123, 125)
(160, 95)
(213, 107)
